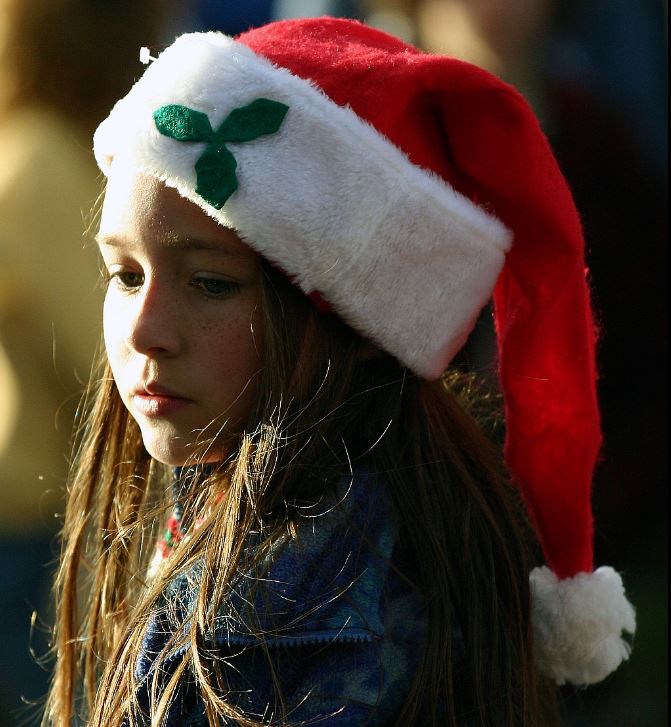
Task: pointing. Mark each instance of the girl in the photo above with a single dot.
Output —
(299, 229)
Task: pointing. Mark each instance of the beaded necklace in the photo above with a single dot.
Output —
(184, 479)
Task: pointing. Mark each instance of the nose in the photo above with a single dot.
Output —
(154, 326)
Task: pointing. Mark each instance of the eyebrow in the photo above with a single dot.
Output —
(174, 241)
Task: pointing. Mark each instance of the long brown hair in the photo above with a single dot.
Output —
(325, 401)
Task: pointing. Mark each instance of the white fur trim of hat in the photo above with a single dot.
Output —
(388, 245)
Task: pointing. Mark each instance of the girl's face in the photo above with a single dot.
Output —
(182, 319)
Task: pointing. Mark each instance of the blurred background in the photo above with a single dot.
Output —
(595, 71)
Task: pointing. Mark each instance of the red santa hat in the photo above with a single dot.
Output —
(406, 189)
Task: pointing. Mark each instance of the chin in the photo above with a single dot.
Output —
(169, 453)
(167, 456)
(166, 450)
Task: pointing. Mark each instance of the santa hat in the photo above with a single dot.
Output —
(404, 189)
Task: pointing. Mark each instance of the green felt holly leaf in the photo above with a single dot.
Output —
(258, 118)
(182, 123)
(216, 180)
(215, 169)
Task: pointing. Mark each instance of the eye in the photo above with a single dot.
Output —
(125, 279)
(215, 287)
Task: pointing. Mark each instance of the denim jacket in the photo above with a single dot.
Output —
(343, 629)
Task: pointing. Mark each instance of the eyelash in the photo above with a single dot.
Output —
(117, 278)
(225, 287)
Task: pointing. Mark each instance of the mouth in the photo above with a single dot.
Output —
(153, 400)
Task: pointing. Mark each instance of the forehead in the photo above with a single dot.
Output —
(140, 206)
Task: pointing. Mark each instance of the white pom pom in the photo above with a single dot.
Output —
(578, 624)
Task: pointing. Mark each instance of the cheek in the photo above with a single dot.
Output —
(113, 333)
(236, 358)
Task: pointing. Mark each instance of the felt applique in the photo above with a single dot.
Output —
(215, 169)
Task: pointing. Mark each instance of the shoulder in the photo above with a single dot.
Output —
(332, 611)
(328, 618)
(331, 579)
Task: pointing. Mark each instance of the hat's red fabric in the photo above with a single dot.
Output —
(480, 135)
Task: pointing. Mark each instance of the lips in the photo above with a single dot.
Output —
(154, 400)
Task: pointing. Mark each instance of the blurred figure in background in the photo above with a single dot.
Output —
(233, 18)
(62, 64)
(228, 17)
